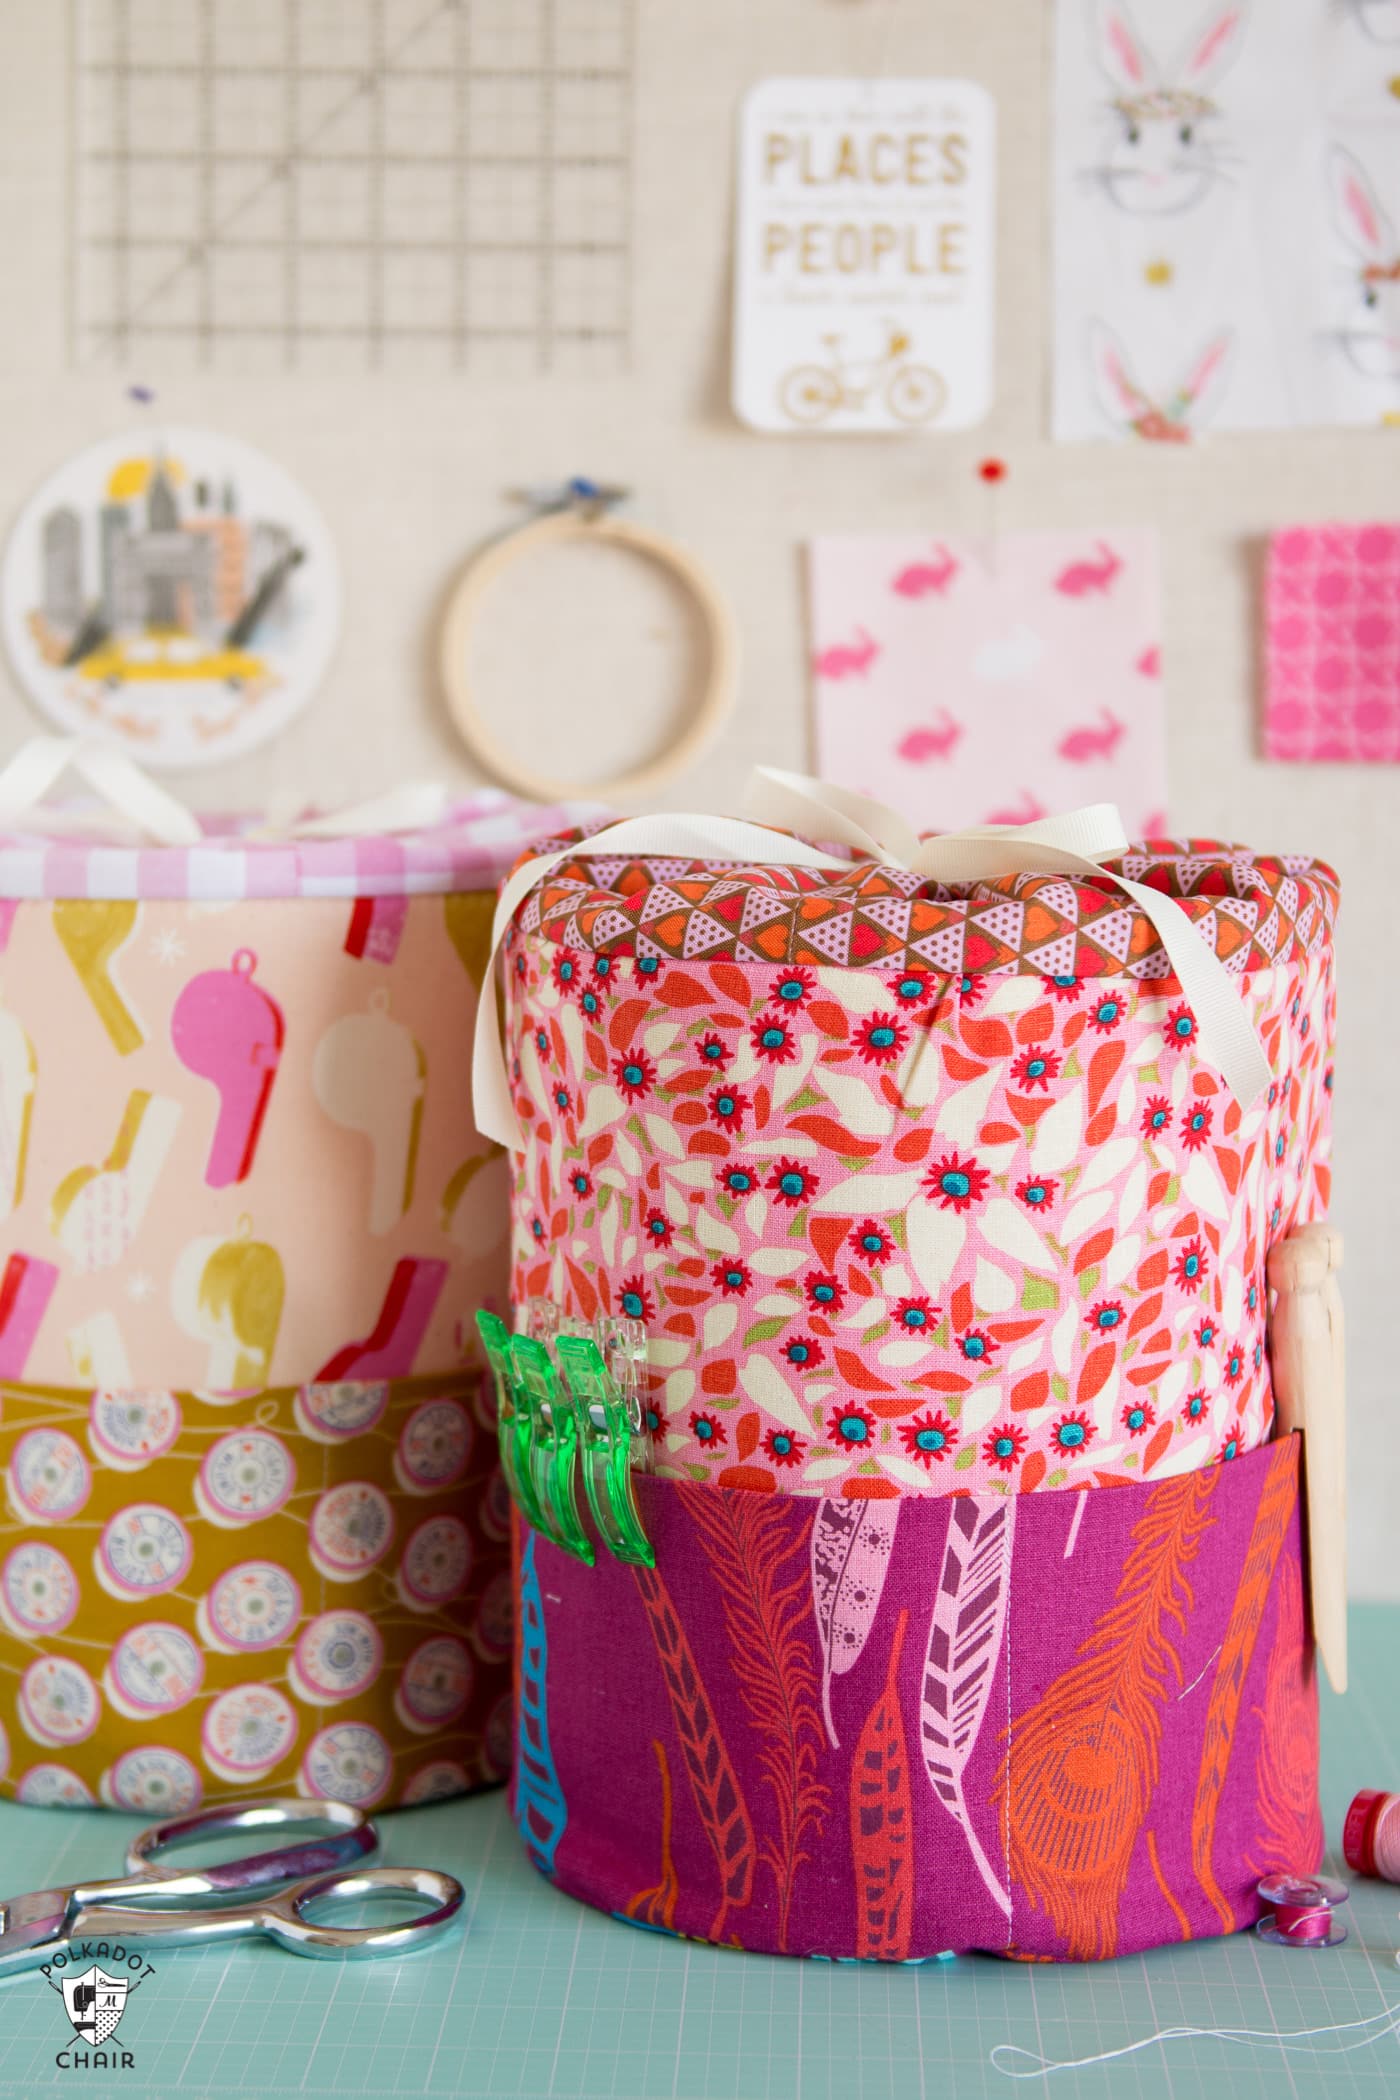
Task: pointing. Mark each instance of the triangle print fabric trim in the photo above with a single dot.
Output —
(971, 681)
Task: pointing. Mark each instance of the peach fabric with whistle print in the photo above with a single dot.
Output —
(971, 680)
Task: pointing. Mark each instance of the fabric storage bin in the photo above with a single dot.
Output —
(257, 1538)
(933, 1205)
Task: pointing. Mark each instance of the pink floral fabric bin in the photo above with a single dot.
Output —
(917, 1190)
(932, 1206)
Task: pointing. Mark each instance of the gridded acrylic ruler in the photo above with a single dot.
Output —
(341, 185)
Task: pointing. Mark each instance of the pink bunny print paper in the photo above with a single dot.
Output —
(1227, 199)
(970, 681)
(1332, 643)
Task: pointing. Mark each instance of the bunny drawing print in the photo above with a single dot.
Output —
(1369, 334)
(1166, 151)
(1227, 199)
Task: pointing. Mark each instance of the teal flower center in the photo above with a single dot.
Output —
(724, 1105)
(791, 988)
(1036, 1192)
(1005, 1447)
(793, 1184)
(1137, 1419)
(911, 987)
(854, 1428)
(798, 1353)
(1191, 1267)
(931, 1440)
(1069, 1434)
(973, 1345)
(1185, 1026)
(782, 1444)
(704, 1430)
(633, 1074)
(872, 1243)
(657, 1227)
(914, 1316)
(773, 1038)
(882, 1038)
(632, 1304)
(1106, 1011)
(823, 1293)
(734, 1278)
(712, 1050)
(955, 1183)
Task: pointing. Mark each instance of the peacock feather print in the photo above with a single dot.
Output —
(852, 1539)
(1287, 1815)
(964, 1643)
(1273, 1513)
(764, 1600)
(882, 1823)
(540, 1808)
(722, 1810)
(1082, 1764)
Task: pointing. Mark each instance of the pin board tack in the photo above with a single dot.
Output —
(715, 676)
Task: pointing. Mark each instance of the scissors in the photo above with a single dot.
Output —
(176, 1906)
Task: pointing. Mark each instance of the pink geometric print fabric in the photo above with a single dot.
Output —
(895, 1232)
(992, 680)
(1332, 644)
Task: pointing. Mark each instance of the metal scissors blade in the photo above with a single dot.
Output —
(31, 1923)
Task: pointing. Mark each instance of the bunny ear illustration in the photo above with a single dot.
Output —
(1359, 214)
(1203, 387)
(1119, 395)
(1212, 47)
(1122, 53)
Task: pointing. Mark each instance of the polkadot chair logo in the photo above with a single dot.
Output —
(95, 2001)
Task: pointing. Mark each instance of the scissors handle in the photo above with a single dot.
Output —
(283, 1917)
(344, 1837)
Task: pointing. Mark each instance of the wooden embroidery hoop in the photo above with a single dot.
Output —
(584, 511)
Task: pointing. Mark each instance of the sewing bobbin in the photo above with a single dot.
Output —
(582, 510)
(1301, 1910)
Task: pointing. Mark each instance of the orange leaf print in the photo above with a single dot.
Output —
(1093, 1377)
(1145, 1313)
(1093, 1250)
(854, 1372)
(1158, 1444)
(1100, 1128)
(1030, 1392)
(676, 989)
(626, 1020)
(882, 1823)
(1153, 1271)
(1082, 1765)
(986, 1039)
(731, 983)
(746, 1435)
(1102, 1066)
(1037, 1025)
(1033, 1472)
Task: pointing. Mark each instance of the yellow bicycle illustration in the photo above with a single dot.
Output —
(912, 393)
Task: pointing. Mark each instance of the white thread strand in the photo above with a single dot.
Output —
(1373, 2029)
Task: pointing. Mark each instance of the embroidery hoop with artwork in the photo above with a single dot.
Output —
(171, 591)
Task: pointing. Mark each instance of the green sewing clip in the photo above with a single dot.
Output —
(605, 1431)
(553, 1442)
(512, 1419)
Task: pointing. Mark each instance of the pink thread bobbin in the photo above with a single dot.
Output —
(1371, 1836)
(1300, 1911)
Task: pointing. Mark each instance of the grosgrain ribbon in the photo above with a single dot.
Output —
(131, 794)
(1075, 844)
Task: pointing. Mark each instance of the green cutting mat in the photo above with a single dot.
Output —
(543, 1998)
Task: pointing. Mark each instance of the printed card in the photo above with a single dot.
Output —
(974, 681)
(864, 255)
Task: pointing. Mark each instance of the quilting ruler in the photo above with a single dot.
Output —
(346, 185)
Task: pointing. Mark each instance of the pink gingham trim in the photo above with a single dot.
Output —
(481, 837)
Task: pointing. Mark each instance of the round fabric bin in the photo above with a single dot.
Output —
(934, 1206)
(255, 1537)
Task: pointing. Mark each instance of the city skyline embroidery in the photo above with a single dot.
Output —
(172, 592)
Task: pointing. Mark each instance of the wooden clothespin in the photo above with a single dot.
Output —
(1309, 1361)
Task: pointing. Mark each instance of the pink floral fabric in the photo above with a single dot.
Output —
(895, 1231)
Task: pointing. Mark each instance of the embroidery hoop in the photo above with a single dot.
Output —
(584, 511)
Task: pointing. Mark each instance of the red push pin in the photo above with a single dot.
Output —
(992, 473)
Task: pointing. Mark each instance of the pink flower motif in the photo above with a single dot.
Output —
(1192, 1265)
(954, 1183)
(1036, 1067)
(708, 1429)
(881, 1039)
(773, 1037)
(732, 1278)
(792, 1183)
(977, 1346)
(917, 1316)
(728, 1108)
(783, 1448)
(1037, 1192)
(1004, 1446)
(1196, 1120)
(635, 1074)
(825, 1294)
(929, 1438)
(871, 1242)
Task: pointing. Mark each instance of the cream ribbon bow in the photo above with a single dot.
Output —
(1076, 844)
(146, 809)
